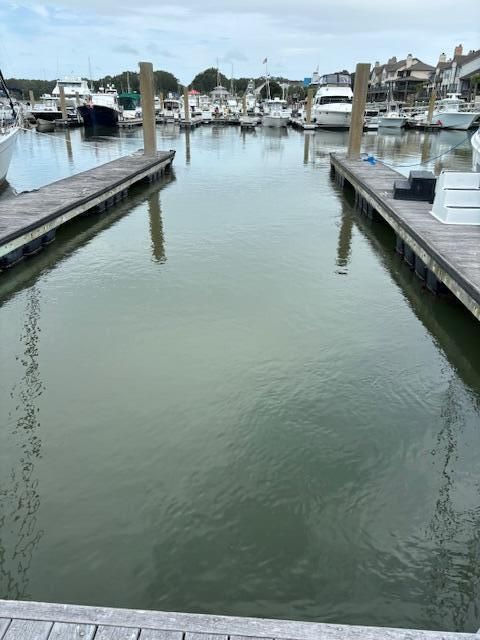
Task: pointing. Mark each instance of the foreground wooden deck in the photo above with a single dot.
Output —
(44, 621)
(449, 253)
(29, 220)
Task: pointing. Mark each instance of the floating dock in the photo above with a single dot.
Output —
(44, 621)
(128, 123)
(441, 255)
(28, 221)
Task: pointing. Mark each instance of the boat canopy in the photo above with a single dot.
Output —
(129, 100)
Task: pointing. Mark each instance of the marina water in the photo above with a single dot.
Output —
(229, 394)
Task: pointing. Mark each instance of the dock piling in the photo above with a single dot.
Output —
(63, 104)
(431, 106)
(186, 106)
(148, 109)
(31, 97)
(309, 106)
(362, 74)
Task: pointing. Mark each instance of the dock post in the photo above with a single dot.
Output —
(31, 97)
(161, 102)
(63, 104)
(431, 106)
(244, 104)
(186, 105)
(309, 106)
(362, 74)
(148, 109)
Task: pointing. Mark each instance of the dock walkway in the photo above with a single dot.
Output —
(447, 253)
(44, 621)
(29, 220)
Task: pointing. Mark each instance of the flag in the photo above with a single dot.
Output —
(265, 61)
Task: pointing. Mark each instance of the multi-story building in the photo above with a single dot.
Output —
(454, 75)
(399, 80)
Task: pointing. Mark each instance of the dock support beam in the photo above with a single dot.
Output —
(31, 97)
(63, 104)
(148, 109)
(362, 74)
(431, 106)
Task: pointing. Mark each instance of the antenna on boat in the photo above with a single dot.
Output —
(218, 75)
(90, 71)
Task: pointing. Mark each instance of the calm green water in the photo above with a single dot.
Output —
(229, 395)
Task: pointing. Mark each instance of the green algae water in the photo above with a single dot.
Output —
(229, 395)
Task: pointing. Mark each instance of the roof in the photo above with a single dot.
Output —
(421, 66)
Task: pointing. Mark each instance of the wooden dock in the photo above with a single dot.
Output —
(28, 221)
(439, 253)
(129, 123)
(44, 621)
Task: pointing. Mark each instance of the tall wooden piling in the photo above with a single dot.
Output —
(63, 103)
(362, 74)
(309, 106)
(148, 109)
(244, 104)
(431, 106)
(186, 105)
(31, 97)
(161, 102)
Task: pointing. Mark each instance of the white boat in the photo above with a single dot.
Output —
(46, 109)
(8, 134)
(450, 113)
(171, 110)
(275, 113)
(476, 151)
(73, 88)
(332, 107)
(393, 119)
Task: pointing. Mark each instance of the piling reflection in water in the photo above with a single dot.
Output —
(344, 246)
(20, 498)
(187, 146)
(156, 228)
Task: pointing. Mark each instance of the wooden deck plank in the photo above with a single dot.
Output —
(205, 636)
(160, 634)
(213, 625)
(28, 630)
(72, 631)
(4, 622)
(116, 633)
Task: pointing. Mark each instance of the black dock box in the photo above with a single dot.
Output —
(419, 186)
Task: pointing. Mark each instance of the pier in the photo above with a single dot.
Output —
(45, 621)
(440, 254)
(29, 220)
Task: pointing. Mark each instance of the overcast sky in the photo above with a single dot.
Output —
(56, 39)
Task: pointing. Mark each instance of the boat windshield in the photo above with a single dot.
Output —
(336, 79)
(334, 100)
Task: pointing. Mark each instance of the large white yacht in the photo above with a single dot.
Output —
(72, 88)
(332, 107)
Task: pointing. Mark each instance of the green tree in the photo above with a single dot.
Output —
(19, 87)
(275, 90)
(165, 82)
(206, 81)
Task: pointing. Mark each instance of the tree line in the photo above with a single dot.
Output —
(165, 82)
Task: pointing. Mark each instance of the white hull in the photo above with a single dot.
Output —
(7, 145)
(392, 123)
(329, 117)
(275, 121)
(476, 151)
(461, 120)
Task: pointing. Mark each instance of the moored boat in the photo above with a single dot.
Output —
(476, 151)
(332, 107)
(8, 134)
(392, 120)
(101, 109)
(275, 113)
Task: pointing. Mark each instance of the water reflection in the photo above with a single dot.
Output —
(306, 148)
(344, 246)
(20, 500)
(156, 228)
(187, 146)
(68, 143)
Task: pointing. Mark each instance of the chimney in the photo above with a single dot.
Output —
(409, 61)
(458, 50)
(392, 60)
(377, 63)
(442, 58)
